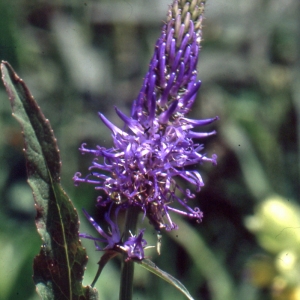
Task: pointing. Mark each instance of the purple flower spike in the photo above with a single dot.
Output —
(158, 141)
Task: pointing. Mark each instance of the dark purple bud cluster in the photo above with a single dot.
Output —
(157, 142)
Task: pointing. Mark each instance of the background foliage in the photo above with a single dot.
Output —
(80, 57)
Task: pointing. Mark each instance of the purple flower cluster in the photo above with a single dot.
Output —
(133, 247)
(158, 141)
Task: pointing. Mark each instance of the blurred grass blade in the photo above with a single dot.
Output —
(150, 266)
(209, 264)
(59, 268)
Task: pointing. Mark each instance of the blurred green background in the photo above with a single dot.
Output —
(82, 56)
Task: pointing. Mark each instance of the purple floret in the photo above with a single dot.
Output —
(133, 247)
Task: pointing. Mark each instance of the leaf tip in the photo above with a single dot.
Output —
(3, 63)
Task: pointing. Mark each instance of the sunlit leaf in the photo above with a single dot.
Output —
(59, 268)
(150, 266)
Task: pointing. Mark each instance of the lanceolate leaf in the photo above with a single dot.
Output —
(150, 266)
(105, 258)
(59, 268)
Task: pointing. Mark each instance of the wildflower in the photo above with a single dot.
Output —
(113, 239)
(133, 247)
(158, 142)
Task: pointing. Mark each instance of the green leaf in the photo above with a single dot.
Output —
(105, 258)
(59, 268)
(150, 266)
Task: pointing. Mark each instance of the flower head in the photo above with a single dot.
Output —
(158, 141)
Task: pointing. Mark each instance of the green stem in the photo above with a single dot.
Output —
(128, 266)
